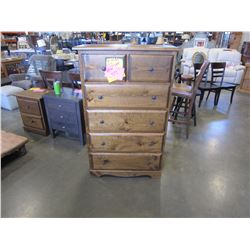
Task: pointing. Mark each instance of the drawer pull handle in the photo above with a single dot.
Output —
(154, 97)
(151, 69)
(32, 121)
(61, 116)
(103, 143)
(63, 127)
(59, 106)
(103, 68)
(28, 107)
(102, 121)
(152, 123)
(100, 97)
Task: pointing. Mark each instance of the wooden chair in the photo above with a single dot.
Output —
(75, 80)
(49, 77)
(218, 70)
(185, 98)
(216, 84)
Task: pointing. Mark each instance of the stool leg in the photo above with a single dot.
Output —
(194, 112)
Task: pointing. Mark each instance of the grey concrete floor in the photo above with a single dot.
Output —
(204, 176)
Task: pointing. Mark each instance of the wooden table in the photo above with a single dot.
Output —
(245, 83)
(10, 64)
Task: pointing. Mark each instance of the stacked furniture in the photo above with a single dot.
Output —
(234, 71)
(126, 119)
(31, 106)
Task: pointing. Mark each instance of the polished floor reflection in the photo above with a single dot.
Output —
(204, 176)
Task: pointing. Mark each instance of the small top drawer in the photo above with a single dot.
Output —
(29, 106)
(150, 68)
(60, 104)
(95, 66)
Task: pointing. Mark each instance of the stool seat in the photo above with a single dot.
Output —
(187, 77)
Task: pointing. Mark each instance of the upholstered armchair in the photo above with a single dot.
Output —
(29, 79)
(234, 70)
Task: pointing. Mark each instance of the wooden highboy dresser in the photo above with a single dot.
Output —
(126, 119)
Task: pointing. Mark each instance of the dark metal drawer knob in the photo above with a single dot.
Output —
(59, 106)
(151, 69)
(102, 121)
(103, 68)
(32, 121)
(61, 116)
(103, 143)
(154, 97)
(100, 97)
(152, 123)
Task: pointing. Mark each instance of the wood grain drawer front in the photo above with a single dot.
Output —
(126, 142)
(95, 66)
(246, 84)
(33, 122)
(29, 106)
(247, 75)
(119, 96)
(126, 161)
(150, 68)
(126, 121)
(60, 105)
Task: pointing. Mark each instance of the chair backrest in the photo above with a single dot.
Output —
(40, 62)
(75, 80)
(49, 77)
(217, 71)
(197, 67)
(203, 70)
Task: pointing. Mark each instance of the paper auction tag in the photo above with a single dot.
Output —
(114, 69)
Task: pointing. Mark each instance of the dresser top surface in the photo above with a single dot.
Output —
(64, 96)
(31, 94)
(125, 47)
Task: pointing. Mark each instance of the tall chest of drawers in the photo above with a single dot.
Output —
(126, 119)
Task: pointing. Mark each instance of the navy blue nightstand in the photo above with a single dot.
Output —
(65, 113)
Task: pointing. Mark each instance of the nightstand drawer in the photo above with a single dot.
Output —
(126, 161)
(126, 142)
(65, 106)
(33, 122)
(29, 106)
(65, 127)
(126, 121)
(150, 68)
(123, 96)
(61, 116)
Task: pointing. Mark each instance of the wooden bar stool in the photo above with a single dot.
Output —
(184, 98)
(187, 79)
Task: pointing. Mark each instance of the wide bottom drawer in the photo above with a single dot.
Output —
(34, 122)
(125, 161)
(118, 142)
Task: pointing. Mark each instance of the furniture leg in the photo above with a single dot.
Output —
(216, 97)
(232, 95)
(201, 97)
(208, 94)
